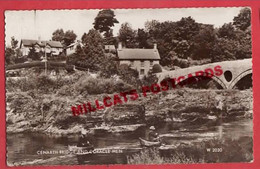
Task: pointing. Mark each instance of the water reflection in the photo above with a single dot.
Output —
(22, 148)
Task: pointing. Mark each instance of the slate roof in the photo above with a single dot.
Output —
(29, 42)
(138, 54)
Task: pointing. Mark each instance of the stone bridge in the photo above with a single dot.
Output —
(233, 71)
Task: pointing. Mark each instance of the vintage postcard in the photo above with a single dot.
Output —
(128, 86)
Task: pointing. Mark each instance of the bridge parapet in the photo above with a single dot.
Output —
(231, 72)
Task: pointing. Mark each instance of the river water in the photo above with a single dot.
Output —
(25, 148)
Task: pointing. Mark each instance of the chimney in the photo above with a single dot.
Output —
(155, 46)
(120, 46)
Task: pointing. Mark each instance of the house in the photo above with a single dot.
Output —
(71, 49)
(51, 48)
(110, 48)
(140, 59)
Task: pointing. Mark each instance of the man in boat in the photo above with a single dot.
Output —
(84, 140)
(153, 136)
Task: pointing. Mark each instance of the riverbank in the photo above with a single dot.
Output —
(39, 103)
(50, 113)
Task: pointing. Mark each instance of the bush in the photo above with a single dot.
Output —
(90, 85)
(157, 68)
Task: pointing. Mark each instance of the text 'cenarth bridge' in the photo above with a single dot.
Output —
(233, 71)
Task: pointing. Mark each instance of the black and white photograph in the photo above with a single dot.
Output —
(128, 86)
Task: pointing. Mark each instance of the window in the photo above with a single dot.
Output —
(142, 71)
(151, 63)
(142, 63)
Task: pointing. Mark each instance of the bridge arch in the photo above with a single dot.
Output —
(216, 79)
(239, 77)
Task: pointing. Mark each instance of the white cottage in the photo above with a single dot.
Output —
(140, 59)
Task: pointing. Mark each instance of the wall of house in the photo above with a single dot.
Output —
(25, 50)
(142, 67)
(56, 51)
(71, 50)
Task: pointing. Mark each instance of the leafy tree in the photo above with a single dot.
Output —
(143, 39)
(204, 43)
(9, 56)
(58, 35)
(66, 38)
(91, 55)
(243, 20)
(127, 35)
(186, 28)
(105, 20)
(12, 53)
(110, 39)
(151, 25)
(227, 31)
(182, 49)
(129, 75)
(69, 37)
(14, 43)
(33, 54)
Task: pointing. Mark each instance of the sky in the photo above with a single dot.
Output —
(40, 24)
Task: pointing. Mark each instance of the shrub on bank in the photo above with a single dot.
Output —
(90, 85)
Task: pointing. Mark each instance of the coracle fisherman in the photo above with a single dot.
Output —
(153, 136)
(85, 141)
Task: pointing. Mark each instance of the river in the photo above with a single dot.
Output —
(25, 148)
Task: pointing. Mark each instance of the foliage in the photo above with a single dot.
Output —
(90, 85)
(204, 42)
(104, 21)
(12, 53)
(152, 156)
(9, 56)
(91, 55)
(156, 68)
(58, 35)
(35, 55)
(129, 75)
(66, 38)
(127, 36)
(243, 20)
(227, 31)
(69, 37)
(143, 39)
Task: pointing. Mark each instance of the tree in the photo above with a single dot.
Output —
(182, 49)
(204, 43)
(9, 56)
(105, 20)
(127, 35)
(66, 38)
(151, 25)
(109, 38)
(186, 28)
(227, 31)
(14, 43)
(243, 20)
(12, 53)
(91, 55)
(33, 54)
(58, 35)
(142, 39)
(69, 37)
